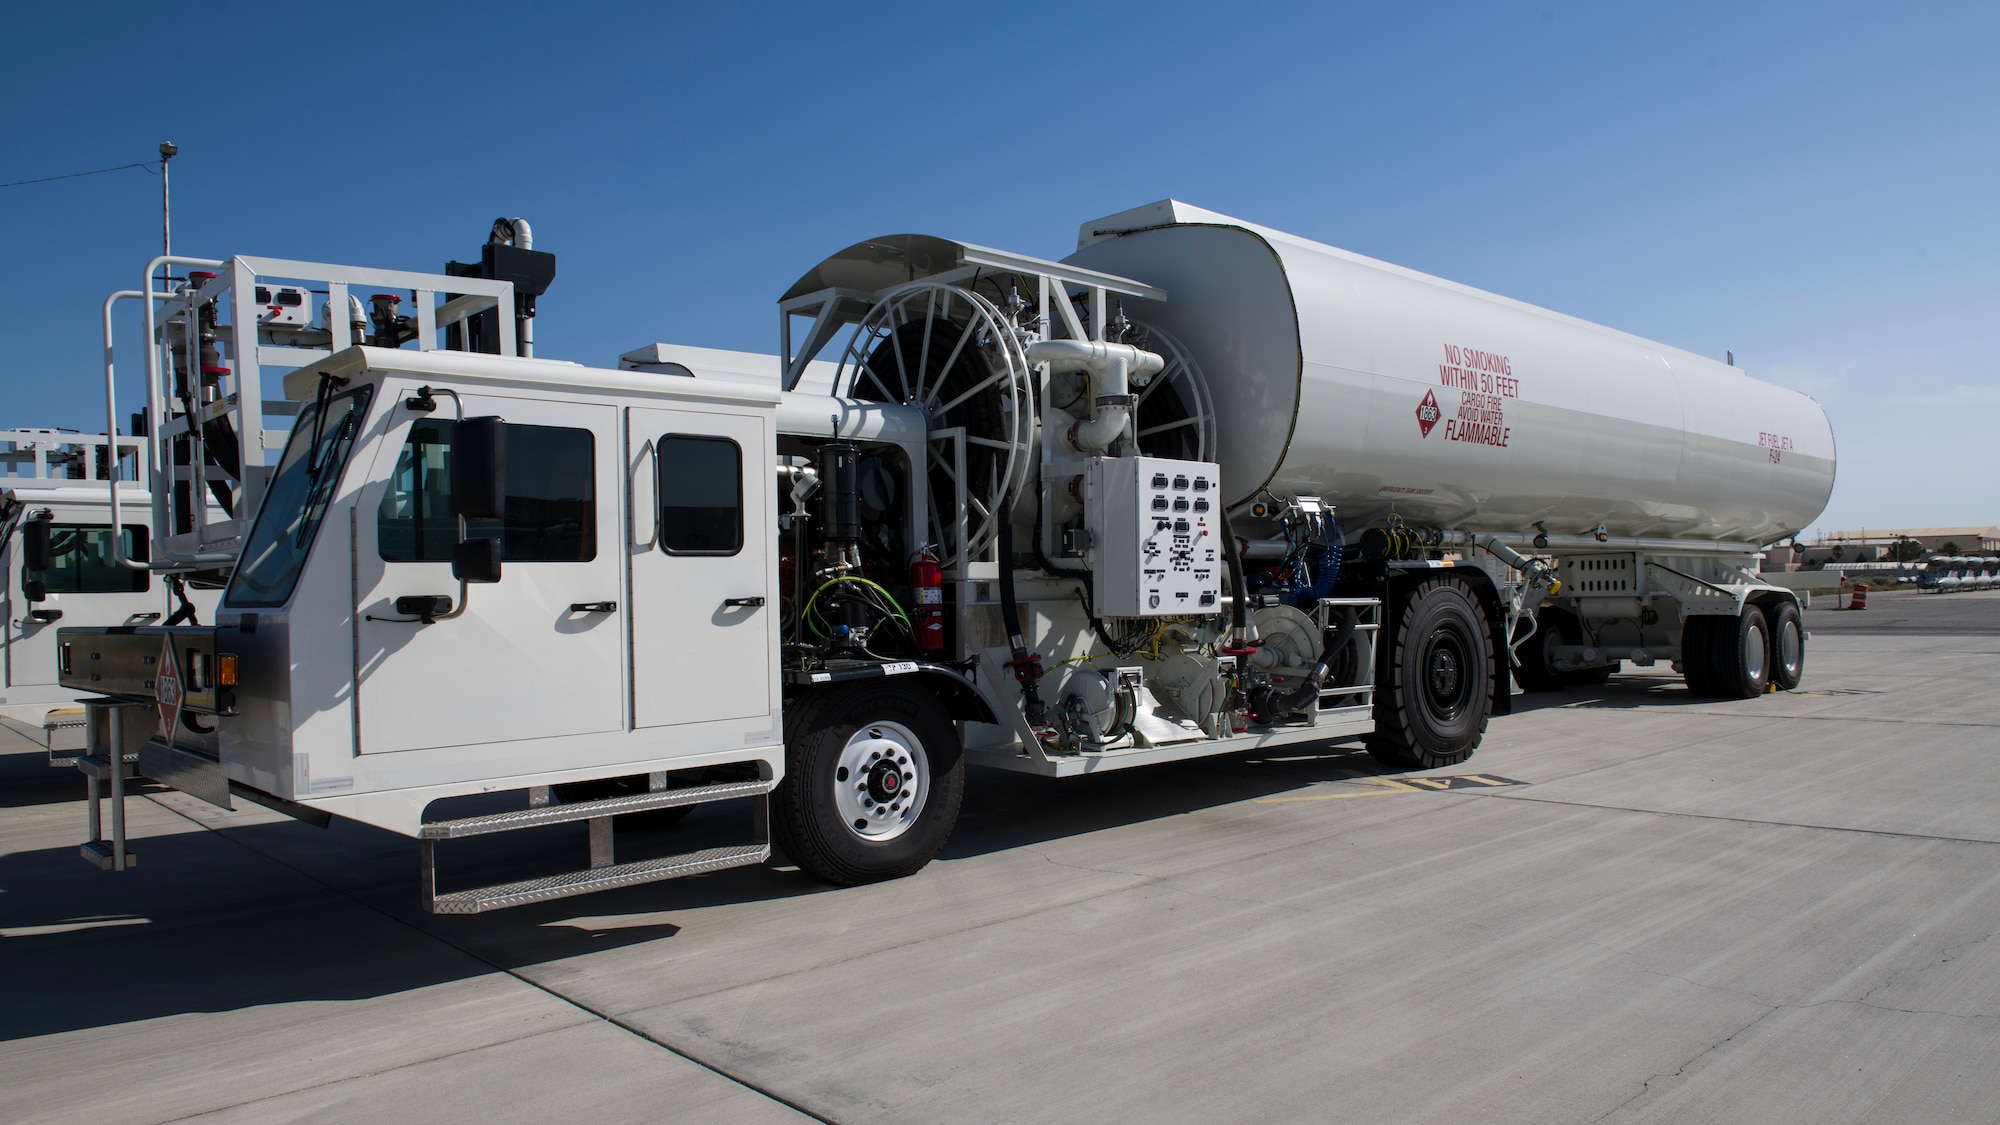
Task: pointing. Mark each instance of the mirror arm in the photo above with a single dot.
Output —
(464, 593)
(464, 587)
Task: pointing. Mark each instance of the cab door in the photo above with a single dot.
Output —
(537, 654)
(84, 585)
(704, 587)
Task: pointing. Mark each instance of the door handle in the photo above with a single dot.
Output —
(728, 602)
(592, 607)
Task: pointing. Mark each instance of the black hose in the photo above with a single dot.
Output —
(1027, 667)
(1239, 594)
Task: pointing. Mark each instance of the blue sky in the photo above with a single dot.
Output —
(1812, 186)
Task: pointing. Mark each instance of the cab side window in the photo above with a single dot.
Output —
(551, 498)
(701, 495)
(81, 562)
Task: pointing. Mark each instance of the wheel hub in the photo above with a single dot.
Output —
(1444, 672)
(885, 780)
(1447, 683)
(881, 781)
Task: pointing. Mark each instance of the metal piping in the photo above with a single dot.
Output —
(111, 436)
(1112, 368)
(524, 238)
(1590, 543)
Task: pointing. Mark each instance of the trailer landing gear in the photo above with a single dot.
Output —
(873, 778)
(1438, 680)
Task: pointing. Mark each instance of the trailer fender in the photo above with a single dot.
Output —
(960, 699)
(954, 692)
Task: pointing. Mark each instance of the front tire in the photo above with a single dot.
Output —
(1431, 709)
(873, 781)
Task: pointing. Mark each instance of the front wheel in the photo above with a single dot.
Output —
(1437, 689)
(873, 780)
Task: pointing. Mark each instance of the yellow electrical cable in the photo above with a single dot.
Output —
(895, 607)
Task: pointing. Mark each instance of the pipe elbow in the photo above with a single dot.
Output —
(1096, 356)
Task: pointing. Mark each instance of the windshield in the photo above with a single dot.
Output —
(296, 503)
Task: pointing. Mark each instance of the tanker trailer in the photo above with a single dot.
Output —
(1510, 488)
(1451, 427)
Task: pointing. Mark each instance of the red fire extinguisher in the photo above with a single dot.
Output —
(927, 577)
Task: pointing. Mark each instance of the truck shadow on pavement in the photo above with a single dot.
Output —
(272, 912)
(1624, 691)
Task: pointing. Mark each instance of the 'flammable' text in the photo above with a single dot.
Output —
(1480, 420)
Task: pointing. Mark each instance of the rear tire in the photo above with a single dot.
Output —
(873, 780)
(1533, 672)
(1697, 659)
(1788, 646)
(1743, 653)
(1431, 709)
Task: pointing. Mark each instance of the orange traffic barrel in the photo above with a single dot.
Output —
(1860, 598)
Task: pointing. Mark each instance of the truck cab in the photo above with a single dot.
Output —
(60, 570)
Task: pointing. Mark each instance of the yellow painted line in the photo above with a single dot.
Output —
(1386, 788)
(1481, 780)
(1431, 783)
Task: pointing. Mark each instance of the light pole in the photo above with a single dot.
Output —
(167, 151)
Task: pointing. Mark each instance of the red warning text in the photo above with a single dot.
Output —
(1478, 371)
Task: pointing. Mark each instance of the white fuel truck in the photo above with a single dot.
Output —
(1201, 488)
(57, 562)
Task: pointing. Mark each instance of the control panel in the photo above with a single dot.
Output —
(1156, 536)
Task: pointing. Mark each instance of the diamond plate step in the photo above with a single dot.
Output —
(586, 810)
(598, 879)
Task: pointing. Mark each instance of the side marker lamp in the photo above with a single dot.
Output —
(225, 669)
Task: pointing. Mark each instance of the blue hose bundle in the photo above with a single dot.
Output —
(1326, 569)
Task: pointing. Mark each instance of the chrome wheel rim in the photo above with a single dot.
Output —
(1791, 648)
(1754, 652)
(881, 781)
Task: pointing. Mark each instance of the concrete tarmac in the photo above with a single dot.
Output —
(1631, 906)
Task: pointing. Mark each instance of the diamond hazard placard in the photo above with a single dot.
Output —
(167, 689)
(1427, 412)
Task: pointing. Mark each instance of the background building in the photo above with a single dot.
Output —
(1872, 544)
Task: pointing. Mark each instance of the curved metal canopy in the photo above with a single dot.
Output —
(878, 263)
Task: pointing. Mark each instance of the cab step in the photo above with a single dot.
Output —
(539, 815)
(605, 872)
(503, 895)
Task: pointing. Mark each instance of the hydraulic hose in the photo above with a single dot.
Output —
(1027, 666)
(1240, 636)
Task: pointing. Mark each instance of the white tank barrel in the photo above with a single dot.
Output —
(1385, 390)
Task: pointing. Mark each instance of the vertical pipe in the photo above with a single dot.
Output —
(111, 428)
(117, 731)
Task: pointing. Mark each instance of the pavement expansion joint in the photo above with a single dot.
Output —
(1749, 820)
(606, 1017)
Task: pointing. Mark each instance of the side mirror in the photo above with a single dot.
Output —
(35, 543)
(476, 560)
(479, 469)
(35, 590)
